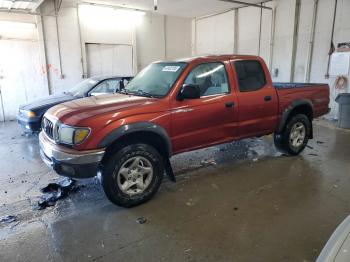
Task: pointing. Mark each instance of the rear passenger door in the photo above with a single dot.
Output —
(257, 99)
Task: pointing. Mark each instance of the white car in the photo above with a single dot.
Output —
(337, 248)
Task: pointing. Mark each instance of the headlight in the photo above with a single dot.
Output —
(27, 113)
(72, 135)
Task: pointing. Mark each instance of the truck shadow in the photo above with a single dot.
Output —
(250, 150)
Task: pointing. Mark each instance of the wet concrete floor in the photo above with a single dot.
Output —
(242, 201)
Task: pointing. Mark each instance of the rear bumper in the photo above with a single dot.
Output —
(69, 162)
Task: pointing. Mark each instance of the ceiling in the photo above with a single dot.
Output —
(186, 8)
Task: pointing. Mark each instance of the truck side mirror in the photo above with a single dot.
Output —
(189, 91)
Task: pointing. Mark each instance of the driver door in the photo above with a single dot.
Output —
(210, 119)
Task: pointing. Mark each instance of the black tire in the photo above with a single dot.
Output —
(283, 140)
(114, 163)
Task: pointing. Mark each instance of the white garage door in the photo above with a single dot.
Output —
(109, 60)
(21, 76)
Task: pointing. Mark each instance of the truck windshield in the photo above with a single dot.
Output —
(155, 80)
(80, 89)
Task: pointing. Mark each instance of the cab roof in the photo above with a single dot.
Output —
(211, 58)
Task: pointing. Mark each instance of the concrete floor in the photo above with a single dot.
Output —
(237, 202)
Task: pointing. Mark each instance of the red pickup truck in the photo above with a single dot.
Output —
(172, 107)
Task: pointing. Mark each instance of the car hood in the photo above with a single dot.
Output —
(81, 109)
(47, 102)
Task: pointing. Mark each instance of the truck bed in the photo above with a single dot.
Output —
(281, 85)
(316, 94)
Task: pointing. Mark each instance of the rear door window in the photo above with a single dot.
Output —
(250, 74)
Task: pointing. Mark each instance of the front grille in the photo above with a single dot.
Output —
(48, 127)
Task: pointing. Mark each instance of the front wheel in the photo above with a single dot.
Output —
(132, 175)
(295, 136)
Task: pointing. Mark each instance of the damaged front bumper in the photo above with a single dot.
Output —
(69, 162)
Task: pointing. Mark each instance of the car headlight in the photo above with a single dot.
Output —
(27, 113)
(72, 135)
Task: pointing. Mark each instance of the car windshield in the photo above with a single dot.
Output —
(83, 87)
(155, 80)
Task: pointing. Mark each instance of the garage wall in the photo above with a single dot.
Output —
(21, 75)
(150, 40)
(156, 37)
(162, 37)
(178, 37)
(215, 34)
(248, 28)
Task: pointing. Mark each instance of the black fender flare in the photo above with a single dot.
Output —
(137, 127)
(289, 110)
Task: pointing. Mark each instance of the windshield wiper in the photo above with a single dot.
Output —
(123, 91)
(137, 93)
(146, 94)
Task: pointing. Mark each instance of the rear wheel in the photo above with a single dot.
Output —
(295, 136)
(132, 175)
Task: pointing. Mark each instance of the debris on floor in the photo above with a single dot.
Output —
(309, 147)
(208, 162)
(311, 154)
(215, 186)
(141, 220)
(190, 202)
(55, 191)
(8, 219)
(319, 142)
(65, 184)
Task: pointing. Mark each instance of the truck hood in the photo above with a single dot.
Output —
(80, 109)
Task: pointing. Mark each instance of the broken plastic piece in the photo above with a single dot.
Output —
(55, 191)
(8, 219)
(141, 220)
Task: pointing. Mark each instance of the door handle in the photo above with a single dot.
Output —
(229, 104)
(267, 98)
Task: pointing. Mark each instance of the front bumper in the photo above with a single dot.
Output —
(29, 124)
(69, 162)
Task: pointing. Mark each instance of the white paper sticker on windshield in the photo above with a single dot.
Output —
(170, 68)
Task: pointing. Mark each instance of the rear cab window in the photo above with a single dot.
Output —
(250, 75)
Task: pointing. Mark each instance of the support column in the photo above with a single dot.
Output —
(39, 21)
(295, 38)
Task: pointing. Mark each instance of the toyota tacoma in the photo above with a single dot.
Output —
(171, 107)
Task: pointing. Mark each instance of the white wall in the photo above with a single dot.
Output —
(22, 74)
(178, 37)
(215, 35)
(248, 30)
(154, 37)
(150, 39)
(204, 38)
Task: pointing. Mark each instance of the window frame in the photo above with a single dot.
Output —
(101, 82)
(237, 79)
(226, 73)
